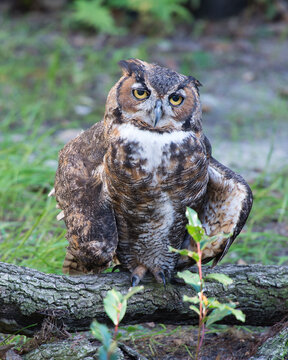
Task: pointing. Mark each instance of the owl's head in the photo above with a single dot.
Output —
(156, 98)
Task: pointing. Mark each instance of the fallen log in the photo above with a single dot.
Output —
(274, 348)
(77, 349)
(29, 297)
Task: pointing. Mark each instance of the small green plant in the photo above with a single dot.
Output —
(94, 14)
(115, 305)
(209, 310)
(100, 15)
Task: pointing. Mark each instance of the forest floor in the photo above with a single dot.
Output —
(54, 83)
(172, 342)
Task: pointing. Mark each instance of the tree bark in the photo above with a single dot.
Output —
(275, 348)
(28, 297)
(77, 349)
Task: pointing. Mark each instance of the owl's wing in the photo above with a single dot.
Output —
(227, 204)
(87, 212)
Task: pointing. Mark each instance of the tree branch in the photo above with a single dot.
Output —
(28, 297)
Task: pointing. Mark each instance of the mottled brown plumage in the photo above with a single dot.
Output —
(125, 183)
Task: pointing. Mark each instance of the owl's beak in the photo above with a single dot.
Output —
(158, 111)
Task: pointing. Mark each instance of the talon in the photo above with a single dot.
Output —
(135, 280)
(118, 267)
(162, 276)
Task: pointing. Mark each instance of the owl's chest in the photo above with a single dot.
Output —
(144, 163)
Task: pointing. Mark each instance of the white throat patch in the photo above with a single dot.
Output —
(152, 143)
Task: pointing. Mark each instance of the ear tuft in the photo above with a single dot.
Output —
(196, 82)
(131, 66)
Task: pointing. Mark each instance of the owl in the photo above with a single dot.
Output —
(124, 184)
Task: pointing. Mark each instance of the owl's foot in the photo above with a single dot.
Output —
(140, 271)
(138, 274)
(160, 277)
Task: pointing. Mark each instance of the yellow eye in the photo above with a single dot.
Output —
(140, 94)
(175, 99)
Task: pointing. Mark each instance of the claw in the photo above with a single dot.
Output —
(135, 280)
(162, 276)
(118, 267)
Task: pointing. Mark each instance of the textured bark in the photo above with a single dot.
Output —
(275, 348)
(28, 297)
(77, 349)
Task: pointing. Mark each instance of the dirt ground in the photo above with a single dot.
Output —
(226, 343)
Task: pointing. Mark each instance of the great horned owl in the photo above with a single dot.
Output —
(125, 183)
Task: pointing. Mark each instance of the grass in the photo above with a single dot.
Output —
(29, 234)
(44, 74)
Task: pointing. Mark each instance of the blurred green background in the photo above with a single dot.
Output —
(58, 60)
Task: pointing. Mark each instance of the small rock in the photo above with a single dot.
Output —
(150, 324)
(241, 262)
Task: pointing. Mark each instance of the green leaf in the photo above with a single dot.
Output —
(101, 333)
(213, 303)
(194, 299)
(132, 291)
(95, 330)
(192, 217)
(196, 232)
(222, 310)
(102, 353)
(186, 252)
(195, 256)
(123, 310)
(183, 252)
(222, 278)
(217, 315)
(111, 305)
(108, 353)
(108, 348)
(191, 279)
(238, 314)
(94, 13)
(194, 308)
(115, 304)
(203, 244)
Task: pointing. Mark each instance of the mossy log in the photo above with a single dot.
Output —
(29, 297)
(274, 348)
(77, 349)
